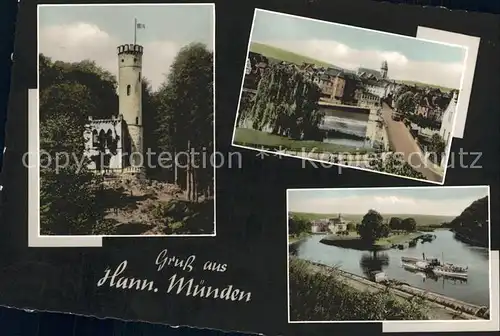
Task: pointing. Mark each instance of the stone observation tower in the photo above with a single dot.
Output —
(130, 101)
(115, 145)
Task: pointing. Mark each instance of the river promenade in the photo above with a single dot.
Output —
(440, 307)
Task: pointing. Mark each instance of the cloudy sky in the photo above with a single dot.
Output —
(442, 201)
(348, 47)
(74, 33)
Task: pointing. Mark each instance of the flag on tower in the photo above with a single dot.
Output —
(141, 26)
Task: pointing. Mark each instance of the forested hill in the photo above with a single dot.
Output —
(472, 224)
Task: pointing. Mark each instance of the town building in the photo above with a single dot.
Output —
(337, 224)
(367, 99)
(375, 87)
(115, 145)
(319, 225)
(338, 86)
(255, 66)
(446, 131)
(428, 108)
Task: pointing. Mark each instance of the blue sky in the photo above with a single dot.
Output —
(175, 23)
(303, 36)
(431, 201)
(73, 33)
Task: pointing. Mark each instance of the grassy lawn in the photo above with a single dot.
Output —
(324, 295)
(397, 239)
(284, 55)
(258, 139)
(353, 241)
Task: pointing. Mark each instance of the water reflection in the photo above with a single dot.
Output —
(474, 289)
(373, 261)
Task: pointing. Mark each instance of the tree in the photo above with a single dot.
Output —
(400, 91)
(297, 225)
(286, 103)
(351, 227)
(405, 103)
(409, 224)
(67, 194)
(437, 147)
(185, 120)
(395, 223)
(371, 227)
(72, 198)
(473, 222)
(395, 165)
(385, 231)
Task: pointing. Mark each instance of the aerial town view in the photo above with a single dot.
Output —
(415, 253)
(349, 96)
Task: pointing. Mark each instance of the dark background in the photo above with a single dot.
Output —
(251, 215)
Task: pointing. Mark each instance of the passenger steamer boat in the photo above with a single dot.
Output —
(435, 266)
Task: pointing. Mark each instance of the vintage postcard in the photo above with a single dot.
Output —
(125, 195)
(350, 96)
(376, 254)
(124, 141)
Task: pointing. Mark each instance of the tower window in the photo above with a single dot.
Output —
(123, 60)
(139, 76)
(135, 60)
(137, 120)
(128, 90)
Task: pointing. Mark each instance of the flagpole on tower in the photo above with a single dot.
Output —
(135, 31)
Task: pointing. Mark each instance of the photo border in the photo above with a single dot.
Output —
(35, 239)
(472, 43)
(419, 325)
(448, 147)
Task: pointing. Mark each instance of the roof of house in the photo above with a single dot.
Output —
(372, 82)
(333, 71)
(367, 72)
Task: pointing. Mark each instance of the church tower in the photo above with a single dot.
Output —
(384, 69)
(130, 100)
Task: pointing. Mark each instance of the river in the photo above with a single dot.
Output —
(351, 124)
(445, 247)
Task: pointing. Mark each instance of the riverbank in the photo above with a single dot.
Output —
(354, 241)
(295, 239)
(262, 140)
(464, 239)
(322, 293)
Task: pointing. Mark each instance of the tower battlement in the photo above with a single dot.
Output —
(134, 49)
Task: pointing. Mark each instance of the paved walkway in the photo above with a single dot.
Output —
(402, 142)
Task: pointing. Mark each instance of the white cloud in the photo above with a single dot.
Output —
(78, 41)
(400, 67)
(383, 204)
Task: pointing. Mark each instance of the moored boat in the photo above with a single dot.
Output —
(450, 270)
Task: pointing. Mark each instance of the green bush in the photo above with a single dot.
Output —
(322, 297)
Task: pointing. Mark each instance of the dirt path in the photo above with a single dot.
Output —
(132, 203)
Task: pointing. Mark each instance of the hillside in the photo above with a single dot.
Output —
(284, 55)
(472, 225)
(420, 84)
(153, 208)
(422, 220)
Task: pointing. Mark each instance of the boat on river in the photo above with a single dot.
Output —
(450, 270)
(435, 266)
(422, 263)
